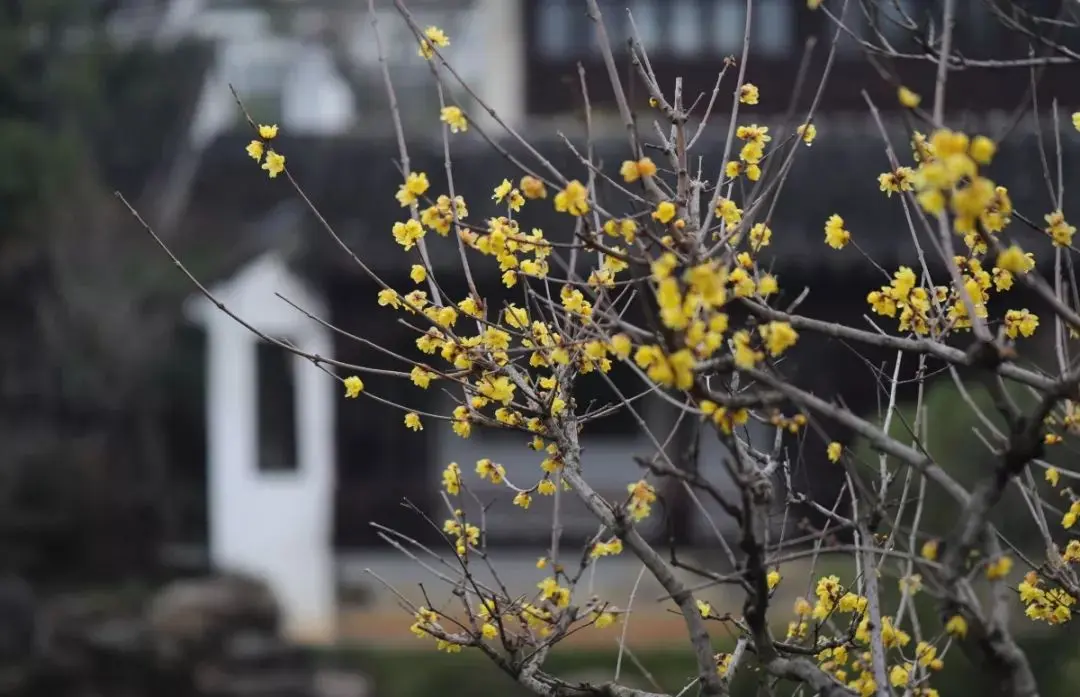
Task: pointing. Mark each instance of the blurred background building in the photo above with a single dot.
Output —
(137, 411)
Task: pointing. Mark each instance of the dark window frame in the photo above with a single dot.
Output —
(277, 435)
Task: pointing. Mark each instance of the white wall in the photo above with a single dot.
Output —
(487, 51)
(275, 525)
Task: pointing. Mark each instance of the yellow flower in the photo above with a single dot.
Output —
(255, 150)
(911, 584)
(1052, 476)
(767, 285)
(470, 307)
(610, 548)
(807, 132)
(532, 187)
(551, 590)
(908, 98)
(982, 150)
(1014, 260)
(631, 171)
(1020, 323)
(778, 336)
(898, 676)
(433, 36)
(1076, 120)
(453, 117)
(452, 479)
(646, 167)
(730, 212)
(416, 183)
(418, 273)
(486, 469)
(813, 4)
(835, 234)
(745, 356)
(407, 234)
(773, 579)
(664, 212)
(604, 619)
(930, 550)
(704, 608)
(420, 377)
(522, 499)
(760, 235)
(642, 496)
(894, 182)
(268, 132)
(1059, 230)
(489, 631)
(574, 199)
(412, 421)
(749, 94)
(999, 568)
(274, 164)
(957, 626)
(621, 345)
(353, 386)
(834, 451)
(1069, 519)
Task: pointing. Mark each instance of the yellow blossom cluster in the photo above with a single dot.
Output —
(273, 162)
(850, 662)
(642, 497)
(632, 170)
(934, 310)
(427, 623)
(516, 365)
(1050, 605)
(948, 182)
(791, 424)
(1072, 515)
(433, 37)
(454, 117)
(464, 535)
(610, 548)
(514, 620)
(754, 138)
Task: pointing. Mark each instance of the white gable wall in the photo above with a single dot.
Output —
(276, 525)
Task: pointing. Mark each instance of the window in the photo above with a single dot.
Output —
(774, 27)
(275, 387)
(647, 22)
(615, 23)
(892, 22)
(686, 32)
(562, 29)
(729, 21)
(855, 27)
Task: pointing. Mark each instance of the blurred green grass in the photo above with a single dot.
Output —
(1055, 659)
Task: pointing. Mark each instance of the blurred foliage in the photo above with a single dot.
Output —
(953, 432)
(83, 315)
(396, 673)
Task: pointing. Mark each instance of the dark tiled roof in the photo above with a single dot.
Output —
(352, 182)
